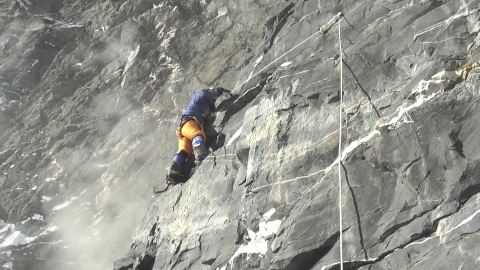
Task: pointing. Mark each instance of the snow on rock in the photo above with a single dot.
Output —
(45, 199)
(10, 237)
(51, 228)
(258, 60)
(8, 265)
(61, 206)
(269, 214)
(222, 11)
(25, 4)
(399, 147)
(129, 62)
(259, 240)
(14, 239)
(5, 228)
(25, 221)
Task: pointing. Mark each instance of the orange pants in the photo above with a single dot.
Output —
(186, 131)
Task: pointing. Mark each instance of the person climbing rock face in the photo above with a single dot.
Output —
(190, 132)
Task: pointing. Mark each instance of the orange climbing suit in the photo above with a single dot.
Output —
(186, 131)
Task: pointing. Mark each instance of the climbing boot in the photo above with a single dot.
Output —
(174, 175)
(200, 153)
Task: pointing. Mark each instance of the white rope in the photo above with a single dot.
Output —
(340, 147)
(322, 30)
(249, 78)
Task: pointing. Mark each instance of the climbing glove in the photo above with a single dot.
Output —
(222, 91)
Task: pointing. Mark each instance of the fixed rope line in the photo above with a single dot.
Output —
(278, 58)
(322, 31)
(340, 147)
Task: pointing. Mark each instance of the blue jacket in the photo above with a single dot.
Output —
(199, 106)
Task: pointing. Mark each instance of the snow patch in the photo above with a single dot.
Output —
(258, 61)
(61, 206)
(294, 85)
(269, 214)
(25, 221)
(24, 4)
(50, 179)
(130, 59)
(10, 237)
(222, 12)
(5, 228)
(258, 241)
(158, 6)
(286, 64)
(51, 228)
(8, 265)
(129, 62)
(14, 239)
(45, 199)
(329, 266)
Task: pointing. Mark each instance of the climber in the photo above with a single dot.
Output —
(190, 132)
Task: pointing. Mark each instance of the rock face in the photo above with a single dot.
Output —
(91, 91)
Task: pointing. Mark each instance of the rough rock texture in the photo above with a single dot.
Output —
(91, 91)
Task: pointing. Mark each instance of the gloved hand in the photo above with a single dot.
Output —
(222, 91)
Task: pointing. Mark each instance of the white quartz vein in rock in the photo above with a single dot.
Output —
(465, 221)
(352, 146)
(235, 136)
(439, 24)
(439, 80)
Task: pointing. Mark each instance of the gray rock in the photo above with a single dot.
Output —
(90, 92)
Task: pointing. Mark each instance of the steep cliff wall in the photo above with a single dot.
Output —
(91, 91)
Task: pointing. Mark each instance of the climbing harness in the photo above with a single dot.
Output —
(182, 121)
